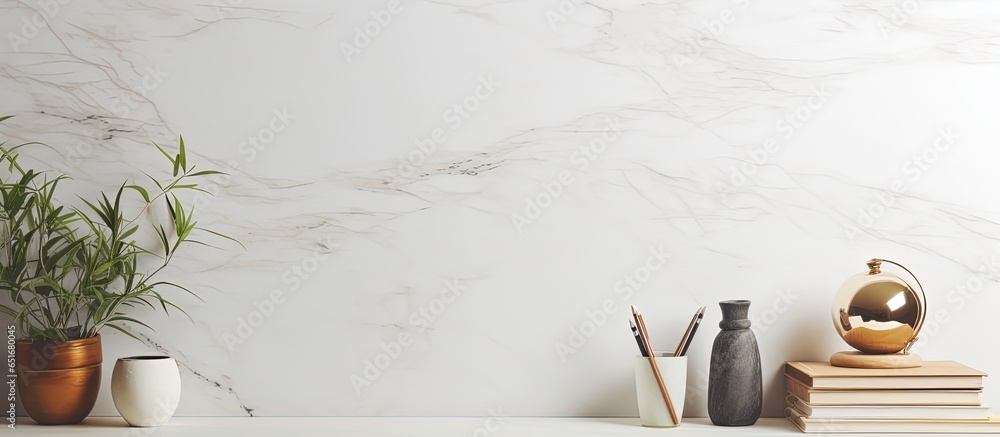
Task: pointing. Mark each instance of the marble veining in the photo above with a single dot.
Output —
(445, 195)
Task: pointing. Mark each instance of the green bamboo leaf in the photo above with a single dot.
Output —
(128, 233)
(182, 155)
(164, 152)
(195, 187)
(99, 211)
(145, 301)
(142, 191)
(98, 314)
(6, 309)
(158, 185)
(55, 258)
(163, 239)
(170, 207)
(171, 304)
(222, 236)
(201, 243)
(100, 269)
(171, 284)
(207, 172)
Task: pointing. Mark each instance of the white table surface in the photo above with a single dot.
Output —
(398, 426)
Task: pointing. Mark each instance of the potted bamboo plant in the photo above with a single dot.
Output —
(70, 272)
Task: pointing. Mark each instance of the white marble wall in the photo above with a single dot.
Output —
(739, 138)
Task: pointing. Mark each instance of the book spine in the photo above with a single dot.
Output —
(796, 419)
(797, 389)
(799, 375)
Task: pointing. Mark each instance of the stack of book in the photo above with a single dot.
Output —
(938, 397)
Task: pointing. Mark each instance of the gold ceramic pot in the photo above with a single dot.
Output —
(58, 382)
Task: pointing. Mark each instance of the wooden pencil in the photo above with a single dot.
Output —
(684, 338)
(644, 334)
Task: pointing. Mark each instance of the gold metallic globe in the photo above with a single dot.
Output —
(878, 312)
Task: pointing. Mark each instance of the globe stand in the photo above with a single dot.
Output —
(860, 360)
(879, 314)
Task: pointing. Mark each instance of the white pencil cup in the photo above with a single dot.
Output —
(652, 408)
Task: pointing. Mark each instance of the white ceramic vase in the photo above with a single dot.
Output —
(146, 389)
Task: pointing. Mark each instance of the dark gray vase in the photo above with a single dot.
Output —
(735, 394)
